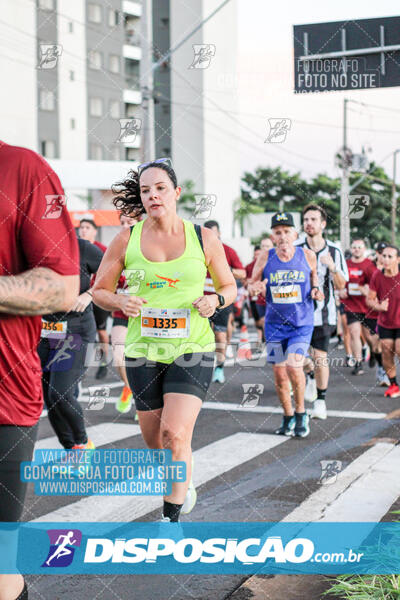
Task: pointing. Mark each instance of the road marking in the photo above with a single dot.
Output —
(364, 491)
(106, 433)
(211, 461)
(348, 414)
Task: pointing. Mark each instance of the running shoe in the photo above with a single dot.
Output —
(393, 391)
(124, 402)
(302, 426)
(191, 496)
(88, 446)
(381, 377)
(350, 361)
(102, 371)
(358, 370)
(319, 410)
(310, 393)
(219, 376)
(287, 427)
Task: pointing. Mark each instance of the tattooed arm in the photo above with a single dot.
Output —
(38, 291)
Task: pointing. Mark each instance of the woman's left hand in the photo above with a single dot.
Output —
(82, 302)
(206, 305)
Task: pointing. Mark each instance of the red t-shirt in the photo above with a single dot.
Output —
(36, 231)
(387, 287)
(359, 274)
(233, 261)
(259, 299)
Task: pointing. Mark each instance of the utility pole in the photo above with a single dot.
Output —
(344, 190)
(394, 198)
(147, 151)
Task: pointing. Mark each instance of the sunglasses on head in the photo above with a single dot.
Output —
(166, 161)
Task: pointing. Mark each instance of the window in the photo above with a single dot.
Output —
(164, 22)
(114, 109)
(132, 154)
(95, 107)
(96, 152)
(48, 148)
(72, 75)
(70, 27)
(165, 109)
(95, 59)
(114, 63)
(113, 17)
(47, 100)
(73, 124)
(46, 4)
(94, 13)
(130, 110)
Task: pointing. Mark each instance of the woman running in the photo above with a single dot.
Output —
(62, 350)
(170, 346)
(384, 297)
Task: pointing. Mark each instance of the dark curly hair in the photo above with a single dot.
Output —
(128, 199)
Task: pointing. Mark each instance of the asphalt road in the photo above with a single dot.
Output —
(255, 481)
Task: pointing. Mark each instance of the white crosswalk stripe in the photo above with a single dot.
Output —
(211, 461)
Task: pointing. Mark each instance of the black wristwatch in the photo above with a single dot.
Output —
(221, 301)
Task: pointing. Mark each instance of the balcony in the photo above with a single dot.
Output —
(132, 96)
(132, 38)
(132, 8)
(132, 52)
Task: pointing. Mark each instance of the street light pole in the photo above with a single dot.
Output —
(394, 198)
(344, 191)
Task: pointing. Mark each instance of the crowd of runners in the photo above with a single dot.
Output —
(169, 287)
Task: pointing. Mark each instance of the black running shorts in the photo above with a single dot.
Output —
(149, 380)
(101, 317)
(321, 336)
(220, 318)
(388, 334)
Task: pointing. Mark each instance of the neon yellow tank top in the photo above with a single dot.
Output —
(169, 325)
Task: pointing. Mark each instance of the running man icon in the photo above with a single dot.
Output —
(61, 553)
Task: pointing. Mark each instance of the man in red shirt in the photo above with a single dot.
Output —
(360, 270)
(39, 274)
(88, 231)
(220, 319)
(384, 297)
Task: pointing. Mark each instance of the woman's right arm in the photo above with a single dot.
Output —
(108, 275)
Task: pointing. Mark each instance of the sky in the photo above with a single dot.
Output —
(265, 90)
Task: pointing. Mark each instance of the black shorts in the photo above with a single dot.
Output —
(189, 374)
(220, 318)
(100, 316)
(341, 309)
(261, 308)
(120, 321)
(253, 310)
(371, 324)
(321, 336)
(388, 334)
(354, 317)
(16, 446)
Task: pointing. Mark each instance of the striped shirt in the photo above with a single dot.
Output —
(325, 310)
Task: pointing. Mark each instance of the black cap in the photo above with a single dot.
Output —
(380, 246)
(282, 218)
